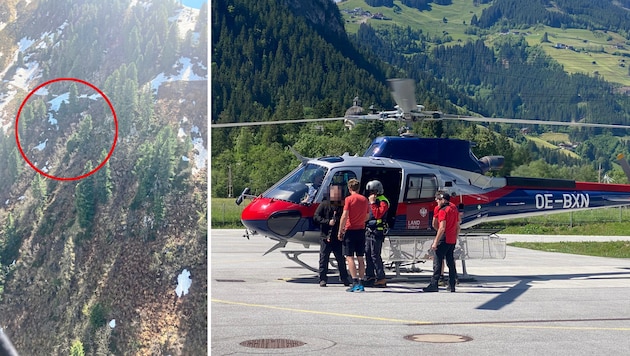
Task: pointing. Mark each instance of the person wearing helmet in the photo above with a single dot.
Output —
(375, 234)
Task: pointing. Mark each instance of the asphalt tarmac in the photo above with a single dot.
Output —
(530, 303)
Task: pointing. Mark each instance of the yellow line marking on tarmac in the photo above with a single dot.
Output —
(428, 323)
(322, 312)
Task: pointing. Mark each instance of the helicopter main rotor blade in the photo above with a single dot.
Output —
(530, 122)
(436, 116)
(404, 92)
(278, 122)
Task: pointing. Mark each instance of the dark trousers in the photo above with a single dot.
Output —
(444, 251)
(373, 261)
(325, 248)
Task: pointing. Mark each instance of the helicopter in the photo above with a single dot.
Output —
(412, 169)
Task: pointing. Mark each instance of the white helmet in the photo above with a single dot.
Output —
(375, 185)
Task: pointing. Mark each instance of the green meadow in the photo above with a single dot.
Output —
(596, 53)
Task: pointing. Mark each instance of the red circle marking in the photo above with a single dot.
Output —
(111, 150)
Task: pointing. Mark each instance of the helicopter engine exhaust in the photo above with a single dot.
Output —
(624, 165)
(491, 163)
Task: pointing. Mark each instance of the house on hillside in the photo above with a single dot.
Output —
(380, 16)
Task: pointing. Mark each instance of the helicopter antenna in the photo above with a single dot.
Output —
(301, 158)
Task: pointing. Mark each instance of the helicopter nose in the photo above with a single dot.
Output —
(271, 218)
(283, 222)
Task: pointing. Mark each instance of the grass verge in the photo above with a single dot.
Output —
(616, 249)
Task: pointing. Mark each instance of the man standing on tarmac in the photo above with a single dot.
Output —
(352, 233)
(327, 215)
(375, 235)
(444, 242)
(436, 226)
(442, 282)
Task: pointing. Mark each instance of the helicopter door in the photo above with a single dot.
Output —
(419, 200)
(390, 178)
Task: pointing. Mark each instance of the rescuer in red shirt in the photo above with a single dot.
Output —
(444, 242)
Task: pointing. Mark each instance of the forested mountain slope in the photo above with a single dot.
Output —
(271, 61)
(609, 15)
(500, 73)
(94, 263)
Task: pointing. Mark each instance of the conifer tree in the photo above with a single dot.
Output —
(9, 241)
(73, 99)
(38, 188)
(77, 349)
(85, 134)
(545, 38)
(170, 51)
(85, 199)
(103, 181)
(3, 237)
(26, 119)
(15, 165)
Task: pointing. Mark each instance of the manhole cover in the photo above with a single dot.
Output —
(272, 343)
(438, 338)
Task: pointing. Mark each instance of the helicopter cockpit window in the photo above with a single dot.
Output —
(300, 186)
(421, 187)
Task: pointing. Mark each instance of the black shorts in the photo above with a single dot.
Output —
(354, 243)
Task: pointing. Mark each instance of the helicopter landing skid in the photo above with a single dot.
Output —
(400, 266)
(294, 255)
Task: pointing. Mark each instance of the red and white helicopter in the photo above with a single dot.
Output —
(411, 170)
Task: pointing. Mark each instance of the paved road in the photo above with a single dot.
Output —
(530, 303)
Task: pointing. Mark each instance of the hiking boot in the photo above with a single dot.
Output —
(451, 287)
(322, 283)
(430, 288)
(356, 288)
(369, 282)
(381, 283)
